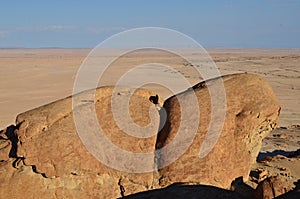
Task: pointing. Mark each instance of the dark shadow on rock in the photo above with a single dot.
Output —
(187, 191)
(154, 99)
(242, 188)
(10, 134)
(287, 154)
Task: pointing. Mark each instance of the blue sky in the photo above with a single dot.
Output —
(213, 23)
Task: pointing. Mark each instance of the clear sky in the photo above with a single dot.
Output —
(213, 23)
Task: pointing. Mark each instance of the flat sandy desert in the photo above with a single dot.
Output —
(34, 77)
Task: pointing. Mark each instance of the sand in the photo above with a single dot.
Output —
(33, 77)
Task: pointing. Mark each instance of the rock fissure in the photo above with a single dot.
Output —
(122, 189)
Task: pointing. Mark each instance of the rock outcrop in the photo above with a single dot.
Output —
(252, 112)
(43, 155)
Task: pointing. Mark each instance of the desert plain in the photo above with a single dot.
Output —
(34, 77)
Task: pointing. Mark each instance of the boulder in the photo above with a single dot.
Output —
(43, 154)
(60, 151)
(252, 111)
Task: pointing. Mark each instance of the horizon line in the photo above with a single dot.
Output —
(212, 47)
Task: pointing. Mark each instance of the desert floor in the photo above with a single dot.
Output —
(34, 77)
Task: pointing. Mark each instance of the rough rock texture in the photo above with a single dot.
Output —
(276, 175)
(42, 155)
(270, 188)
(252, 112)
(279, 157)
(43, 151)
(294, 194)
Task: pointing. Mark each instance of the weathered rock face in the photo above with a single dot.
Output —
(270, 188)
(252, 112)
(43, 155)
(50, 159)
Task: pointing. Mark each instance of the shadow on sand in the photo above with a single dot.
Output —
(287, 154)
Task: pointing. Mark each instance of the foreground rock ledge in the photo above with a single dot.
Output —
(42, 154)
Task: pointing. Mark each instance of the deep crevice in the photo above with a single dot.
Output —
(11, 135)
(122, 189)
(35, 171)
(17, 161)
